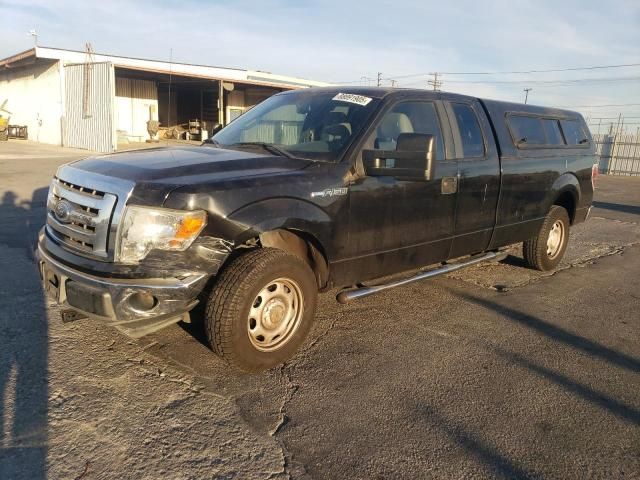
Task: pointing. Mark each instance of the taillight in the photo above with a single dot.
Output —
(594, 175)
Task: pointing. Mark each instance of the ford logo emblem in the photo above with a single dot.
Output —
(62, 211)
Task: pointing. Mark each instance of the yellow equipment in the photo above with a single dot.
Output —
(4, 129)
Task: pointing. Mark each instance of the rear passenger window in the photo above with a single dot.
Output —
(527, 130)
(470, 132)
(574, 133)
(552, 130)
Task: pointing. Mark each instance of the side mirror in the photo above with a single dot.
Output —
(215, 128)
(413, 158)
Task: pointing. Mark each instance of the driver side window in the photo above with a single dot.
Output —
(409, 117)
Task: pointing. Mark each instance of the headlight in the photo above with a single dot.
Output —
(142, 229)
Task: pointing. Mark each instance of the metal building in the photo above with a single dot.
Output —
(98, 102)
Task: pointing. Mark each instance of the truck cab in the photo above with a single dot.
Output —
(311, 190)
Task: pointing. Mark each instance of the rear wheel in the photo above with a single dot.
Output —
(544, 251)
(261, 309)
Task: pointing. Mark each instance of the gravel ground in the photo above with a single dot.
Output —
(494, 371)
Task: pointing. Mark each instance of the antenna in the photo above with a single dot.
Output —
(170, 80)
(34, 34)
(87, 74)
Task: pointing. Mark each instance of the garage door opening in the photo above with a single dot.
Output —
(187, 108)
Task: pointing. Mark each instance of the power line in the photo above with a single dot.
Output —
(366, 80)
(553, 82)
(609, 118)
(599, 106)
(551, 70)
(545, 82)
(625, 123)
(513, 72)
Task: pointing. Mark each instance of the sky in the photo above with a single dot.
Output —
(342, 41)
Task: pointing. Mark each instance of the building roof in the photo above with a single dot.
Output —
(255, 77)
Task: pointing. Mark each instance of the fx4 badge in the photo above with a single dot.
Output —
(330, 192)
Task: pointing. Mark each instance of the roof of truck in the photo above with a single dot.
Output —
(493, 105)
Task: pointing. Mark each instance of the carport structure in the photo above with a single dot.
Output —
(97, 101)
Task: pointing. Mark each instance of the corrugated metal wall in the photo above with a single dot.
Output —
(619, 154)
(274, 131)
(92, 126)
(136, 102)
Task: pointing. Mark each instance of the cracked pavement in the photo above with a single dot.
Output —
(495, 371)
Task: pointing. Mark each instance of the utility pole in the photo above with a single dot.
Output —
(379, 78)
(393, 83)
(526, 95)
(435, 83)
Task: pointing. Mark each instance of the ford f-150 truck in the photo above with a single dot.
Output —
(308, 191)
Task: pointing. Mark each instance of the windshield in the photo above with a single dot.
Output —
(316, 125)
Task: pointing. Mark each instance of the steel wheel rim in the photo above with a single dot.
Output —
(275, 314)
(555, 239)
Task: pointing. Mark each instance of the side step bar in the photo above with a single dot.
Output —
(348, 295)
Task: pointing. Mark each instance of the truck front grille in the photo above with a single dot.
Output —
(79, 217)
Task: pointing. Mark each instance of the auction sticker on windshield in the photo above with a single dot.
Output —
(351, 98)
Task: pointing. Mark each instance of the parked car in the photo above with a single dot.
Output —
(308, 191)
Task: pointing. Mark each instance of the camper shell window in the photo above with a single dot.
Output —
(574, 133)
(526, 130)
(540, 131)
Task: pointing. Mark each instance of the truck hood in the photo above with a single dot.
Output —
(189, 165)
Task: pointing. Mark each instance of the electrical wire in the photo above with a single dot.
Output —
(600, 106)
(550, 82)
(517, 72)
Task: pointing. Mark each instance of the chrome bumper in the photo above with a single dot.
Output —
(136, 307)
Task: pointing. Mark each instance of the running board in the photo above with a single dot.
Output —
(348, 295)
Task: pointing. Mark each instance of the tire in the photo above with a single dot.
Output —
(543, 252)
(4, 135)
(261, 309)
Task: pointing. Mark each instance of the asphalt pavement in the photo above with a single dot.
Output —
(496, 371)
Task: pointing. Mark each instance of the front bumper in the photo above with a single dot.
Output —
(136, 307)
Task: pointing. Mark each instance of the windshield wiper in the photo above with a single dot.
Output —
(269, 147)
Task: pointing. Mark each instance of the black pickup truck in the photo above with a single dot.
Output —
(310, 190)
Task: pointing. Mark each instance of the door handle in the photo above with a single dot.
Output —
(449, 185)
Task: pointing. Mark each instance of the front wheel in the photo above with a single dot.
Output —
(544, 251)
(261, 309)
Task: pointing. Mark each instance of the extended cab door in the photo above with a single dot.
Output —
(398, 224)
(478, 175)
